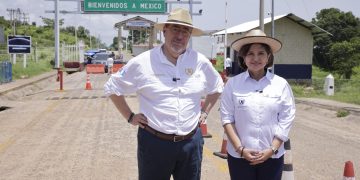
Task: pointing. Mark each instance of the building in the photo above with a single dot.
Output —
(294, 61)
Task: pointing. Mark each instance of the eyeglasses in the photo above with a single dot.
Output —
(178, 30)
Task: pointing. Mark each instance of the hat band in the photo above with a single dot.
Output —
(179, 22)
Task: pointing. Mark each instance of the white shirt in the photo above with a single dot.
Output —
(110, 61)
(261, 110)
(169, 95)
(227, 63)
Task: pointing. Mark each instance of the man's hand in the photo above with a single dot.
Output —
(139, 119)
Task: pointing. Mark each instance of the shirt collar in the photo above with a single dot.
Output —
(268, 75)
(164, 59)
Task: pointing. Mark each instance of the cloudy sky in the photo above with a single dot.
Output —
(212, 18)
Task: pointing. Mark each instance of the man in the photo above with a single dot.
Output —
(227, 66)
(110, 64)
(169, 81)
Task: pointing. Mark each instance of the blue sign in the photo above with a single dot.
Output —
(19, 44)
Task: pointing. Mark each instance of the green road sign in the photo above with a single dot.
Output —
(135, 6)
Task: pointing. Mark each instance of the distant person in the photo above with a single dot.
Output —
(110, 63)
(112, 55)
(88, 59)
(227, 66)
(257, 111)
(170, 81)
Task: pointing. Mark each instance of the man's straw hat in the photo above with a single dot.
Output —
(182, 17)
(257, 36)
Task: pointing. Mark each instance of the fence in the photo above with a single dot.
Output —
(5, 72)
(73, 56)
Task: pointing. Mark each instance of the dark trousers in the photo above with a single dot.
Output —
(240, 169)
(159, 159)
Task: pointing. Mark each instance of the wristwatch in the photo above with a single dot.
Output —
(274, 150)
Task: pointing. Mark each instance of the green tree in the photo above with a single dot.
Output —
(342, 25)
(346, 56)
(50, 22)
(82, 32)
(115, 44)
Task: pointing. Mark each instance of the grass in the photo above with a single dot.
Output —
(345, 90)
(32, 69)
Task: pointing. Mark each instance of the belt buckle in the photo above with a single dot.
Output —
(178, 140)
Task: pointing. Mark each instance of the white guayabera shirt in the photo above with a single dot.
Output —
(169, 95)
(261, 110)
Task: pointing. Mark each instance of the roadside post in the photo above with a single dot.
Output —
(329, 85)
(60, 78)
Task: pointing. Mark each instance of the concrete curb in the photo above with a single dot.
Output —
(330, 104)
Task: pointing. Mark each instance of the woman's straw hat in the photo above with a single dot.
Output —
(257, 36)
(182, 17)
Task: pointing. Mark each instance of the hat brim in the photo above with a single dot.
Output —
(195, 31)
(274, 44)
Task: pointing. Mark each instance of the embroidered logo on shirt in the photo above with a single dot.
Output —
(242, 101)
(189, 71)
(122, 72)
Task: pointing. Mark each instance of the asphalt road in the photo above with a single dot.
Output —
(78, 134)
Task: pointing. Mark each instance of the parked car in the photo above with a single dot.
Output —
(101, 58)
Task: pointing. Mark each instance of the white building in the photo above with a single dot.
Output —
(294, 61)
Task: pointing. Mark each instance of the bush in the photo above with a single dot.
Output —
(342, 113)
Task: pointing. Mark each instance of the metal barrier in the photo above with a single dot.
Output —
(95, 68)
(5, 72)
(116, 67)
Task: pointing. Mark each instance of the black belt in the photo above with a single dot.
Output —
(169, 137)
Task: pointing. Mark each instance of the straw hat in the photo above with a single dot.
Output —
(182, 17)
(257, 36)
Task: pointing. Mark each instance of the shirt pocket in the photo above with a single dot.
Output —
(193, 85)
(242, 101)
(272, 101)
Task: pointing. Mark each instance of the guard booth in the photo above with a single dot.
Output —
(329, 85)
(141, 24)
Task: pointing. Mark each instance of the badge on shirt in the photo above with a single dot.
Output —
(241, 101)
(122, 72)
(189, 71)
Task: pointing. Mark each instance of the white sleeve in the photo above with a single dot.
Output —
(227, 107)
(123, 81)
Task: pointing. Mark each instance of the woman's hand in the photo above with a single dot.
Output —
(257, 157)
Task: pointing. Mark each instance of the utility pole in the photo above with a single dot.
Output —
(272, 20)
(191, 14)
(261, 18)
(57, 35)
(14, 15)
(272, 29)
(225, 40)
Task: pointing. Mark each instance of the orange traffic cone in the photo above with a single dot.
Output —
(203, 126)
(204, 132)
(349, 173)
(288, 171)
(88, 84)
(223, 151)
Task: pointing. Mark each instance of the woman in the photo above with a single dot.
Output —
(257, 111)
